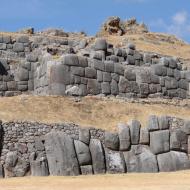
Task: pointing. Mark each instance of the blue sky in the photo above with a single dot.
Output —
(171, 16)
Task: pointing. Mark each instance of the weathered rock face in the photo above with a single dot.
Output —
(140, 159)
(39, 165)
(98, 158)
(124, 137)
(114, 162)
(112, 141)
(83, 153)
(159, 141)
(173, 161)
(1, 171)
(61, 156)
(15, 166)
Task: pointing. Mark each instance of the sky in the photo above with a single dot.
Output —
(169, 16)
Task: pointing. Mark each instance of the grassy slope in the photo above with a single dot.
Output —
(90, 111)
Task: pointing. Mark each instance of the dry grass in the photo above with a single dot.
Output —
(90, 111)
(151, 43)
(169, 181)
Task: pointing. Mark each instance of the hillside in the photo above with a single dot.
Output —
(101, 113)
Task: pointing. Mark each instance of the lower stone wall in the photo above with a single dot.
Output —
(37, 149)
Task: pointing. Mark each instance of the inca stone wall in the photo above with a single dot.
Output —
(39, 149)
(83, 69)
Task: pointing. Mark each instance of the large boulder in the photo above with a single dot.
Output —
(163, 122)
(84, 135)
(140, 159)
(124, 137)
(98, 158)
(134, 126)
(39, 165)
(111, 140)
(1, 171)
(153, 124)
(178, 140)
(114, 162)
(83, 153)
(74, 91)
(144, 136)
(173, 161)
(100, 44)
(15, 166)
(160, 141)
(86, 170)
(93, 87)
(61, 155)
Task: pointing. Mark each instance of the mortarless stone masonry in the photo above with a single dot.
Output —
(27, 148)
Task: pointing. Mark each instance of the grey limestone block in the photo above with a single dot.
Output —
(98, 65)
(114, 87)
(84, 135)
(130, 60)
(130, 75)
(90, 73)
(159, 70)
(111, 140)
(15, 166)
(38, 165)
(98, 157)
(61, 155)
(109, 66)
(124, 137)
(144, 89)
(171, 83)
(83, 153)
(86, 170)
(6, 39)
(100, 44)
(163, 122)
(153, 124)
(114, 162)
(99, 76)
(79, 71)
(1, 171)
(23, 74)
(106, 77)
(135, 127)
(23, 39)
(18, 47)
(160, 141)
(140, 159)
(3, 46)
(144, 136)
(118, 69)
(106, 89)
(178, 140)
(173, 161)
(172, 63)
(93, 87)
(186, 127)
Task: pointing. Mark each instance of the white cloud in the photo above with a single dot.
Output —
(180, 18)
(178, 25)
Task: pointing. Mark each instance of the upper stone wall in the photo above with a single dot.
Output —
(84, 69)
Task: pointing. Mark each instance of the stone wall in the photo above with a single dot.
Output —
(82, 70)
(40, 149)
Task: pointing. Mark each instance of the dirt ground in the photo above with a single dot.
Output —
(90, 111)
(161, 181)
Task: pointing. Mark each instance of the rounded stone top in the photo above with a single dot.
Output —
(100, 44)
